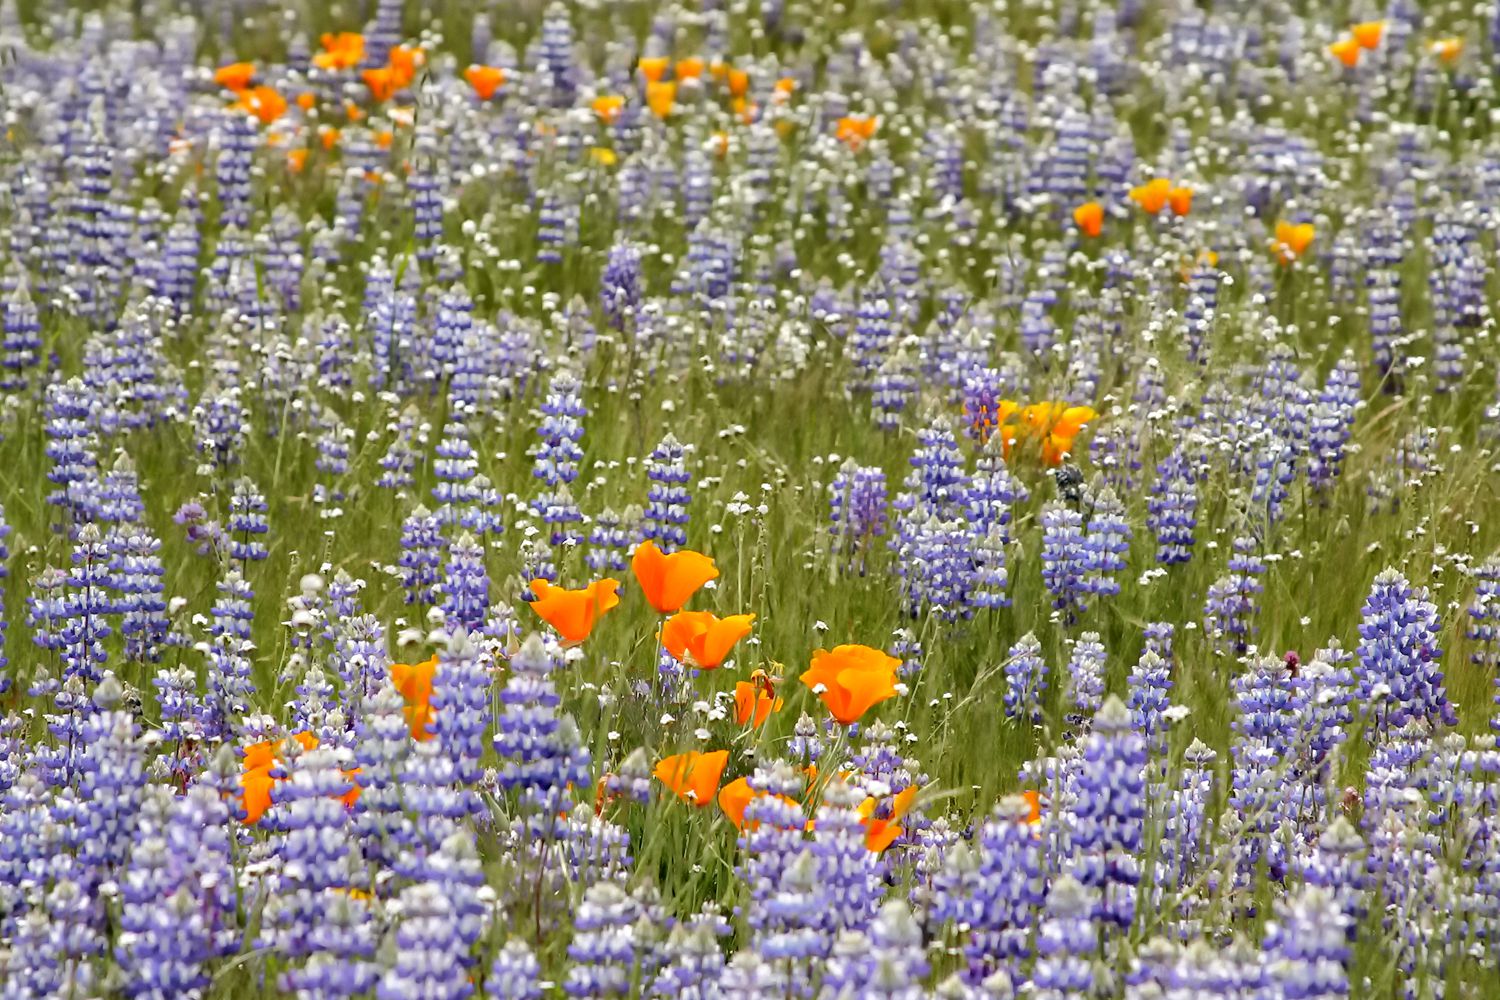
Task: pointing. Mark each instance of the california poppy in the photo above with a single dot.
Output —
(608, 107)
(733, 798)
(690, 68)
(1368, 33)
(1181, 199)
(1292, 240)
(485, 80)
(1447, 49)
(603, 155)
(739, 82)
(344, 50)
(414, 681)
(383, 82)
(754, 703)
(1346, 51)
(783, 89)
(855, 130)
(881, 832)
(653, 68)
(235, 76)
(851, 680)
(257, 782)
(1034, 800)
(1152, 196)
(296, 159)
(573, 613)
(701, 638)
(262, 102)
(404, 61)
(660, 97)
(1089, 218)
(307, 100)
(693, 777)
(669, 581)
(255, 793)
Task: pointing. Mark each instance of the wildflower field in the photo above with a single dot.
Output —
(749, 499)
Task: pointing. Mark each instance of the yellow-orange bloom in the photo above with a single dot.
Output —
(383, 82)
(262, 102)
(851, 680)
(608, 107)
(603, 156)
(414, 681)
(1447, 50)
(701, 638)
(881, 832)
(1089, 218)
(1152, 196)
(1181, 199)
(653, 68)
(669, 581)
(733, 798)
(1346, 51)
(1034, 800)
(235, 76)
(344, 50)
(739, 82)
(485, 80)
(855, 130)
(296, 159)
(573, 613)
(661, 96)
(1292, 240)
(1368, 33)
(690, 68)
(257, 782)
(754, 703)
(693, 777)
(307, 100)
(404, 61)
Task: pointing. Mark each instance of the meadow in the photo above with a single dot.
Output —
(749, 499)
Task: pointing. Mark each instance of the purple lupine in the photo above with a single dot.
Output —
(1067, 943)
(1483, 612)
(1065, 562)
(232, 169)
(246, 522)
(935, 565)
(1332, 422)
(5, 679)
(992, 493)
(693, 959)
(1109, 814)
(421, 558)
(1025, 679)
(1106, 543)
(461, 706)
(1336, 864)
(558, 455)
(995, 890)
(72, 445)
(1150, 682)
(455, 467)
(848, 873)
(136, 567)
(667, 499)
(515, 974)
(1187, 830)
(620, 285)
(465, 585)
(892, 389)
(1399, 678)
(1083, 682)
(1307, 948)
(538, 758)
(1172, 510)
(770, 839)
(1267, 702)
(20, 340)
(607, 952)
(990, 579)
(937, 479)
(857, 511)
(885, 962)
(792, 934)
(429, 951)
(1232, 601)
(873, 336)
(609, 543)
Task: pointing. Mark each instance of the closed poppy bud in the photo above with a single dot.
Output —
(702, 639)
(1089, 218)
(851, 680)
(573, 613)
(693, 776)
(753, 705)
(669, 581)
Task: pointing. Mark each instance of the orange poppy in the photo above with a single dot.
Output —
(235, 76)
(660, 97)
(404, 61)
(1181, 200)
(352, 795)
(733, 798)
(851, 680)
(573, 613)
(1346, 51)
(485, 80)
(414, 681)
(881, 833)
(1034, 800)
(296, 159)
(383, 82)
(690, 68)
(784, 87)
(307, 100)
(754, 703)
(668, 581)
(1089, 217)
(855, 130)
(257, 781)
(653, 68)
(1292, 240)
(701, 638)
(739, 82)
(328, 136)
(255, 793)
(1447, 50)
(384, 138)
(344, 50)
(693, 777)
(1152, 196)
(608, 107)
(262, 102)
(1368, 33)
